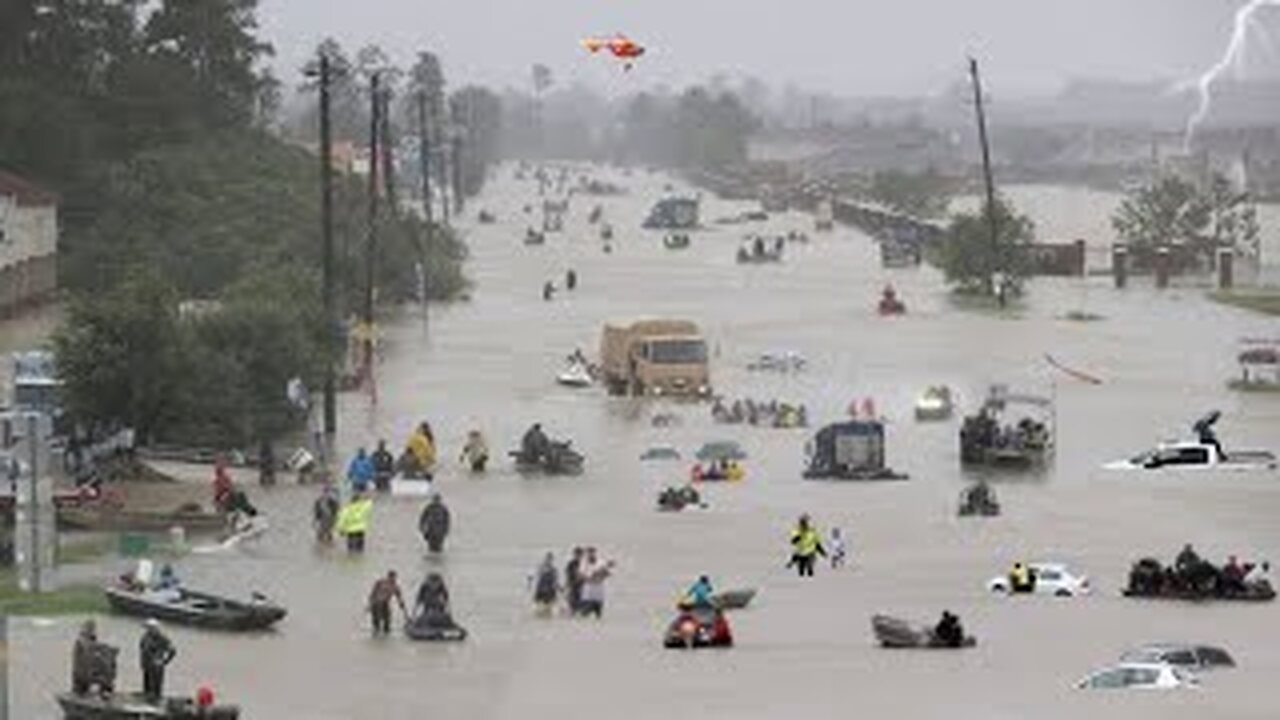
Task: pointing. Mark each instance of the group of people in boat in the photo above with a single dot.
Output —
(700, 621)
(93, 664)
(760, 414)
(581, 587)
(1192, 575)
(757, 249)
(985, 430)
(717, 470)
(672, 498)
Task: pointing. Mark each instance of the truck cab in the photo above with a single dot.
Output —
(1195, 455)
(655, 358)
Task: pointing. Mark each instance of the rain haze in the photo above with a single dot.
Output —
(858, 47)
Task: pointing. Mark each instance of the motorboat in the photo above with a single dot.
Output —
(789, 361)
(188, 607)
(1201, 581)
(978, 501)
(934, 404)
(992, 438)
(575, 375)
(735, 599)
(134, 706)
(754, 251)
(434, 630)
(679, 499)
(892, 632)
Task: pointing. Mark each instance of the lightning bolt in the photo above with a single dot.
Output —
(1232, 59)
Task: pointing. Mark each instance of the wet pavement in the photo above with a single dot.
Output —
(805, 647)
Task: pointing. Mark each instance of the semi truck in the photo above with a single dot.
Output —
(655, 358)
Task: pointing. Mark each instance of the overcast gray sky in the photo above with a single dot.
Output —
(854, 47)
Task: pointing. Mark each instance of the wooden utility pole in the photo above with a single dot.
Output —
(993, 222)
(371, 239)
(326, 230)
(424, 159)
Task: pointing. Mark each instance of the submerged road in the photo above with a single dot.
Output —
(805, 647)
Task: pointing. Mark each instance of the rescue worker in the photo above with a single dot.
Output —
(92, 662)
(433, 523)
(949, 632)
(546, 585)
(384, 590)
(421, 451)
(475, 453)
(360, 471)
(155, 652)
(324, 513)
(353, 521)
(384, 467)
(806, 545)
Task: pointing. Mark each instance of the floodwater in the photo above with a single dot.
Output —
(805, 647)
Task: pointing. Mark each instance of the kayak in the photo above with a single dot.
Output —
(187, 607)
(131, 706)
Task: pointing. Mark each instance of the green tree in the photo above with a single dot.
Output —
(478, 111)
(1169, 212)
(976, 265)
(120, 353)
(919, 195)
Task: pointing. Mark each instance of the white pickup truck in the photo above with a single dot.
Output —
(1195, 455)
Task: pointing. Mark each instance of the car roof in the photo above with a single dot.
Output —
(1164, 646)
(1048, 565)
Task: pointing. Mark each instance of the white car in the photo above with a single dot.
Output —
(1139, 676)
(1050, 579)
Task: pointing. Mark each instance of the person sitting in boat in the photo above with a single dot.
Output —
(534, 446)
(93, 663)
(432, 605)
(168, 579)
(1233, 576)
(475, 453)
(699, 595)
(1187, 562)
(949, 632)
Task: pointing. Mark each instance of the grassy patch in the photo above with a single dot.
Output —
(1258, 301)
(86, 551)
(70, 600)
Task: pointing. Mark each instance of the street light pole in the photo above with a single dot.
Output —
(371, 241)
(326, 214)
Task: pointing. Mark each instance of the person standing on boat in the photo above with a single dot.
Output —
(384, 466)
(385, 589)
(324, 513)
(434, 523)
(92, 662)
(155, 652)
(353, 521)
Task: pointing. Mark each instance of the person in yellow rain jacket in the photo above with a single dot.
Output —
(353, 521)
(421, 451)
(806, 546)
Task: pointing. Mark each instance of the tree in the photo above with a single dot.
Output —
(1174, 212)
(478, 111)
(974, 264)
(923, 195)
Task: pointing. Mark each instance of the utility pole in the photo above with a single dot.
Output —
(424, 159)
(458, 199)
(992, 221)
(326, 215)
(388, 156)
(371, 240)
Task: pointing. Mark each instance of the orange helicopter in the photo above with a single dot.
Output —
(620, 46)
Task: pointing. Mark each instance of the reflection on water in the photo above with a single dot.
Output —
(805, 647)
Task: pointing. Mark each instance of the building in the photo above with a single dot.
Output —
(28, 243)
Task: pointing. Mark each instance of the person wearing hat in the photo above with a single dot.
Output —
(155, 652)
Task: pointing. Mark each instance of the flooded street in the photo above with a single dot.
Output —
(804, 649)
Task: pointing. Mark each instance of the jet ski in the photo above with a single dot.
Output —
(575, 375)
(698, 628)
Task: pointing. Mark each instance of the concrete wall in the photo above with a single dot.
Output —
(28, 254)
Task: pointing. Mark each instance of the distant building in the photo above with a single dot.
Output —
(28, 243)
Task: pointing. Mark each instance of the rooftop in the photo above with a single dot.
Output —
(25, 192)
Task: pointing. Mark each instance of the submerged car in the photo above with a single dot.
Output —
(1181, 655)
(1049, 579)
(1139, 676)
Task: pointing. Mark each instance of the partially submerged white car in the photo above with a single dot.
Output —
(1195, 455)
(1139, 676)
(1050, 579)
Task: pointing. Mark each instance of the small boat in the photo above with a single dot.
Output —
(187, 607)
(676, 241)
(419, 629)
(735, 599)
(107, 519)
(575, 375)
(407, 486)
(133, 706)
(894, 633)
(697, 628)
(934, 404)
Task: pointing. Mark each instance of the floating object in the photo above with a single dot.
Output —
(892, 632)
(187, 607)
(133, 706)
(934, 403)
(1082, 376)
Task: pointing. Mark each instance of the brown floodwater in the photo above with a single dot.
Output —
(804, 647)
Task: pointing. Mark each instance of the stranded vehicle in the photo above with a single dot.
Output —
(655, 357)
